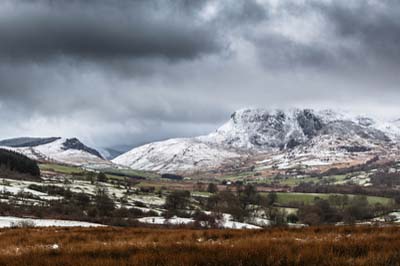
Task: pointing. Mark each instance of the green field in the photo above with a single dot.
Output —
(129, 173)
(111, 173)
(290, 181)
(295, 181)
(309, 198)
(62, 169)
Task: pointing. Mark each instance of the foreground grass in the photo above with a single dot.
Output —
(339, 246)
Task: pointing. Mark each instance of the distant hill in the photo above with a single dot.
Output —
(56, 149)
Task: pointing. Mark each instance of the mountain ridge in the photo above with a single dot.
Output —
(251, 132)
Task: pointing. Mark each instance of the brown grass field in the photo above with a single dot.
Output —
(338, 246)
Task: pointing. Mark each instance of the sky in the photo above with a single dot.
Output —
(128, 72)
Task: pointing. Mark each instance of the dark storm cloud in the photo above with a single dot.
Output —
(39, 30)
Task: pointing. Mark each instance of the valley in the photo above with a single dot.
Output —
(137, 198)
(261, 169)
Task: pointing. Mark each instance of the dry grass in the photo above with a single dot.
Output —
(339, 246)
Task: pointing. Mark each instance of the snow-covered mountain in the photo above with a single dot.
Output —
(272, 138)
(56, 149)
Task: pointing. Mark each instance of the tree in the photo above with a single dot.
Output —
(357, 209)
(272, 197)
(227, 202)
(101, 177)
(177, 200)
(248, 195)
(277, 216)
(201, 219)
(212, 188)
(292, 218)
(91, 176)
(319, 213)
(104, 204)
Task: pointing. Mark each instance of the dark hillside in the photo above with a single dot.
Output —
(15, 162)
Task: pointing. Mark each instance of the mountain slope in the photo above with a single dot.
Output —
(61, 150)
(175, 155)
(271, 139)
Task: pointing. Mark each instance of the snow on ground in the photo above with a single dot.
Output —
(8, 221)
(161, 220)
(16, 187)
(16, 190)
(237, 225)
(315, 162)
(391, 217)
(260, 221)
(226, 222)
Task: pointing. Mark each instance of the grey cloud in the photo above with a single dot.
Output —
(240, 13)
(351, 35)
(279, 52)
(128, 72)
(374, 25)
